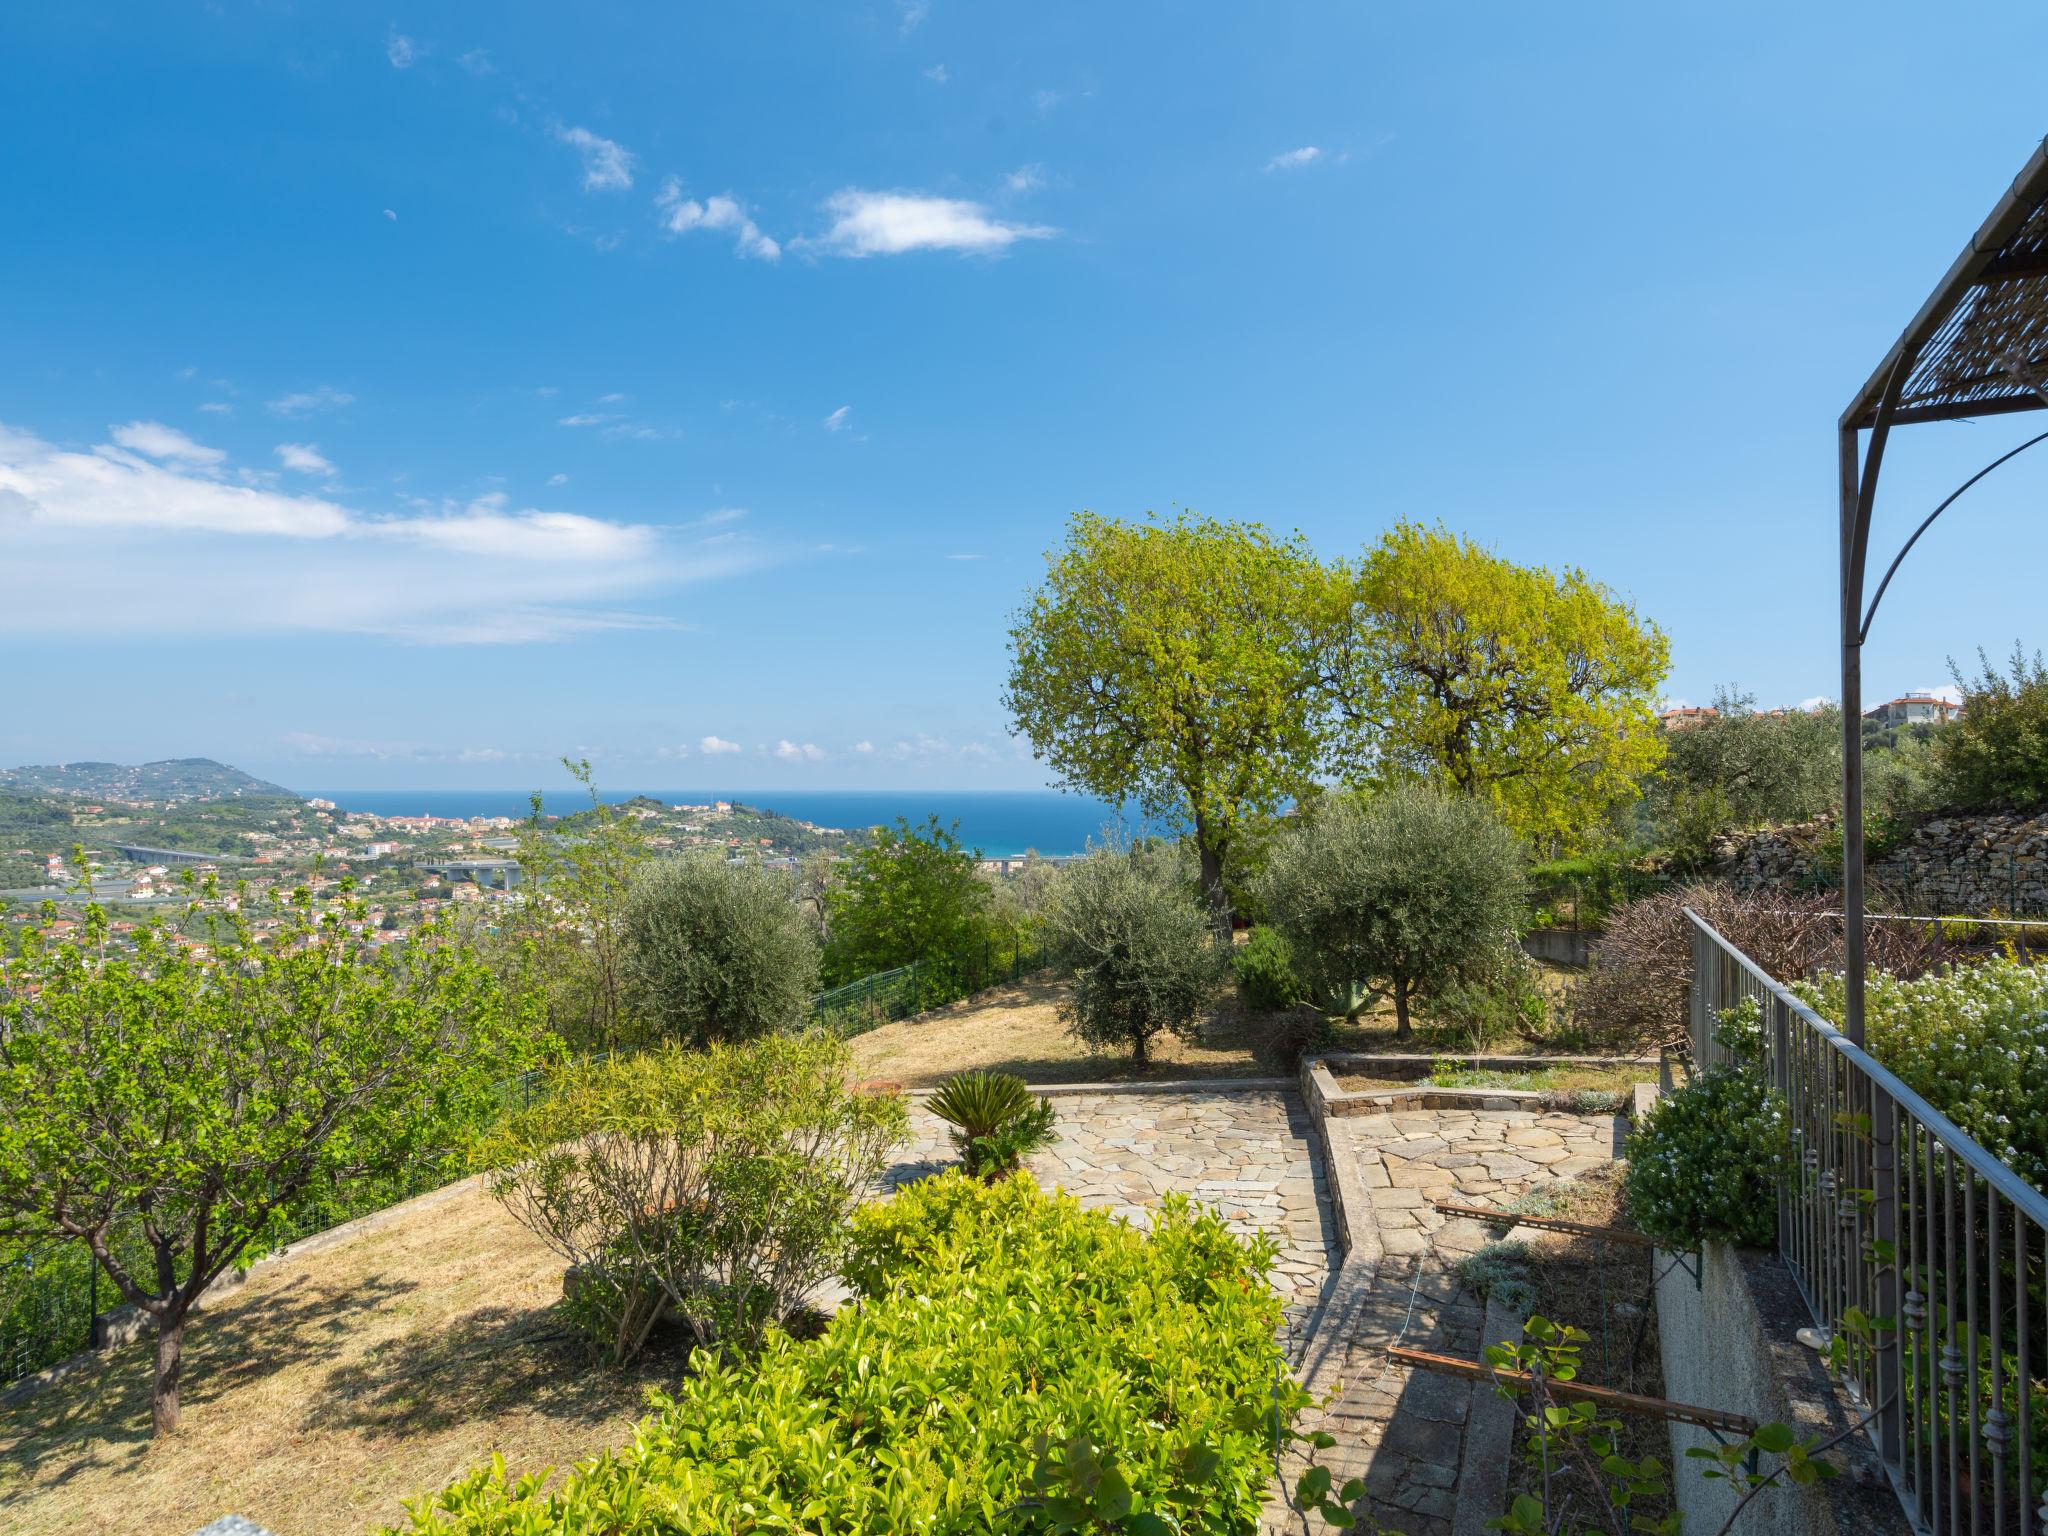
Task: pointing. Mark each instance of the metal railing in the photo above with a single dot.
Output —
(1922, 1257)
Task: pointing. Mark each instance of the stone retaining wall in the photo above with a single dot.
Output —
(1971, 864)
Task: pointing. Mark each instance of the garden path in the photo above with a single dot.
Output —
(1406, 1432)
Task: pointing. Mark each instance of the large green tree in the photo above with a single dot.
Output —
(193, 1092)
(1530, 688)
(1175, 663)
(1409, 890)
(1995, 753)
(716, 951)
(911, 895)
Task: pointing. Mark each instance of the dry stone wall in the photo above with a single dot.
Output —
(1979, 864)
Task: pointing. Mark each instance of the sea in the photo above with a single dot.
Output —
(1000, 823)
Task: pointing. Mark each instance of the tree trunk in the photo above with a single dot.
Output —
(1212, 886)
(1402, 1028)
(170, 1359)
(1138, 1050)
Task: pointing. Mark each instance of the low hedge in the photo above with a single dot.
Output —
(1002, 1332)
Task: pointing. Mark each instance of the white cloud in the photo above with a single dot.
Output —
(864, 748)
(1045, 101)
(304, 403)
(217, 407)
(720, 516)
(558, 479)
(1294, 159)
(607, 166)
(790, 752)
(1026, 178)
(612, 399)
(839, 420)
(477, 62)
(1818, 701)
(401, 50)
(158, 514)
(913, 14)
(717, 746)
(391, 215)
(890, 223)
(162, 442)
(937, 74)
(585, 419)
(682, 214)
(304, 459)
(966, 557)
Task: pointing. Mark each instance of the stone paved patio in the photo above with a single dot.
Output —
(1247, 1153)
(1404, 1432)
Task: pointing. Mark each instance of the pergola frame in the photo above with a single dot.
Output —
(1977, 347)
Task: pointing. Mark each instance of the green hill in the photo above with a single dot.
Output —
(173, 778)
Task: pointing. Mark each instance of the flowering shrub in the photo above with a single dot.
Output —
(1972, 1041)
(1011, 1353)
(1703, 1166)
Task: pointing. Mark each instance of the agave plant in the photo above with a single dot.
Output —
(996, 1122)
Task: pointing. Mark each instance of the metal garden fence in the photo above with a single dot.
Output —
(1923, 1257)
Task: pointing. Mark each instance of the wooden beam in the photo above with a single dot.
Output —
(1605, 1397)
(1547, 1223)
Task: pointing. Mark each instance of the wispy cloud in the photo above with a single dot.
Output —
(477, 62)
(586, 419)
(937, 74)
(607, 165)
(839, 420)
(391, 214)
(718, 746)
(1026, 178)
(558, 479)
(1294, 159)
(911, 14)
(162, 442)
(966, 557)
(720, 517)
(1045, 101)
(891, 223)
(808, 752)
(216, 407)
(151, 510)
(682, 214)
(304, 459)
(402, 51)
(306, 402)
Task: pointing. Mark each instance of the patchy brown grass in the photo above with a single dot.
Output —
(1017, 1029)
(327, 1390)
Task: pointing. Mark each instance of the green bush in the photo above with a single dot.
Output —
(1995, 753)
(1704, 1164)
(996, 1321)
(717, 1185)
(1264, 965)
(996, 1122)
(1126, 928)
(1970, 1039)
(716, 951)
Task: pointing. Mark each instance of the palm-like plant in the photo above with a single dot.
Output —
(996, 1122)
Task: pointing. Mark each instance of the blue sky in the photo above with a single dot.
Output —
(408, 398)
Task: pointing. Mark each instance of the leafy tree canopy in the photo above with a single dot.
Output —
(1412, 889)
(910, 895)
(1995, 753)
(1175, 663)
(197, 1090)
(1529, 688)
(716, 951)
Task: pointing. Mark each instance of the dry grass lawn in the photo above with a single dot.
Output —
(326, 1390)
(1017, 1029)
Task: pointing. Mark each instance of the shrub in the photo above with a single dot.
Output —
(1995, 753)
(716, 951)
(996, 1322)
(1703, 1165)
(1413, 889)
(1633, 998)
(1495, 999)
(1264, 965)
(912, 896)
(996, 1123)
(715, 1184)
(1126, 929)
(1971, 1040)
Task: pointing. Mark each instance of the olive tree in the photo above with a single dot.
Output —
(712, 950)
(1127, 928)
(1409, 890)
(193, 1091)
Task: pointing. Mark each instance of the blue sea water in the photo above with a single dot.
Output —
(1001, 823)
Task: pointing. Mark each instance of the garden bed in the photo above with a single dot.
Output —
(1373, 1083)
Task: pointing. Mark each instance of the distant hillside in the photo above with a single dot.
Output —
(175, 778)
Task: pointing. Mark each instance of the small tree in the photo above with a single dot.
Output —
(910, 896)
(578, 873)
(1412, 889)
(712, 950)
(1127, 928)
(196, 1092)
(1995, 753)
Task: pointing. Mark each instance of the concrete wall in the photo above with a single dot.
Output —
(1728, 1343)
